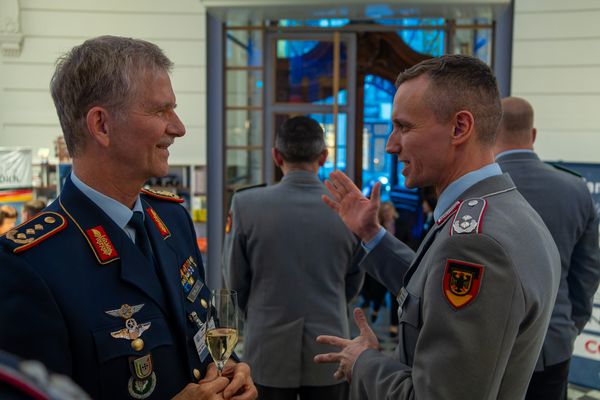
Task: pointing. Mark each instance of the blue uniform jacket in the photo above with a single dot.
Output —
(61, 272)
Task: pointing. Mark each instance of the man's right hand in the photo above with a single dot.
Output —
(207, 390)
(358, 213)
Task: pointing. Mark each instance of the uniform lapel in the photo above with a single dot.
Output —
(167, 265)
(135, 269)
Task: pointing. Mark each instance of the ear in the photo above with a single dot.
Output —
(277, 159)
(323, 157)
(97, 124)
(464, 124)
(533, 135)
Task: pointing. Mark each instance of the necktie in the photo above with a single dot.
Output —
(142, 241)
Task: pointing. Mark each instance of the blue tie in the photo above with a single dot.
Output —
(142, 241)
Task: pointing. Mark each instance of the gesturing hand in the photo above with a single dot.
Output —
(350, 349)
(358, 213)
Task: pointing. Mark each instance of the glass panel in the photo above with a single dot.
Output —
(244, 48)
(424, 41)
(319, 23)
(244, 88)
(243, 167)
(244, 128)
(474, 42)
(304, 72)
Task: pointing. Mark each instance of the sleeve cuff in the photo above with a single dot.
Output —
(375, 241)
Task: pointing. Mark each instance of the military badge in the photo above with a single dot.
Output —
(469, 216)
(187, 280)
(143, 379)
(163, 195)
(160, 225)
(228, 224)
(461, 282)
(35, 231)
(132, 330)
(103, 247)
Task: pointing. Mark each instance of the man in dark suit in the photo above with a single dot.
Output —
(476, 297)
(295, 267)
(109, 277)
(564, 202)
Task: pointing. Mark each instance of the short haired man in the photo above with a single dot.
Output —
(109, 276)
(476, 298)
(294, 265)
(564, 202)
(31, 208)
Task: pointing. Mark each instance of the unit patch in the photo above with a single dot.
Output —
(461, 283)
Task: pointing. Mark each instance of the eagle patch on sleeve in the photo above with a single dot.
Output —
(461, 283)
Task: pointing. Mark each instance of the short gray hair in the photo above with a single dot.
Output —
(300, 140)
(102, 71)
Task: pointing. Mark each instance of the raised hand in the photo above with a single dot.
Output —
(350, 349)
(358, 213)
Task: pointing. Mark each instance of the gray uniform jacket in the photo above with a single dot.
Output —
(566, 206)
(475, 302)
(295, 266)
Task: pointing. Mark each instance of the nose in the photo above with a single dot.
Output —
(393, 145)
(175, 127)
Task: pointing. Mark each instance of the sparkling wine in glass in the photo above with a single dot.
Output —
(222, 332)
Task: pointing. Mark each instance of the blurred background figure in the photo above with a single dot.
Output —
(31, 208)
(9, 220)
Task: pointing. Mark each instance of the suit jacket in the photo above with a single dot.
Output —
(474, 305)
(62, 271)
(566, 206)
(295, 267)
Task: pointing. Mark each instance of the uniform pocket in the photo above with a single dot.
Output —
(109, 347)
(409, 317)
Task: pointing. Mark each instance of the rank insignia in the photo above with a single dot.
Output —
(103, 247)
(35, 231)
(186, 272)
(228, 224)
(143, 379)
(469, 216)
(461, 282)
(163, 195)
(160, 225)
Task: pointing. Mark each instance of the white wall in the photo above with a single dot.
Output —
(556, 66)
(50, 28)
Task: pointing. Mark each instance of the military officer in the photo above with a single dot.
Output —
(475, 299)
(106, 285)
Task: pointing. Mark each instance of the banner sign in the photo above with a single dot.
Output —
(585, 364)
(15, 168)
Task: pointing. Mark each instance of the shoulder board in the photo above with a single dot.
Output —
(468, 218)
(162, 195)
(565, 169)
(250, 187)
(34, 231)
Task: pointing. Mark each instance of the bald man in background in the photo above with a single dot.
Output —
(564, 202)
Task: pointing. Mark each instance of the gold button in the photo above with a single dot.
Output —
(196, 374)
(203, 303)
(137, 344)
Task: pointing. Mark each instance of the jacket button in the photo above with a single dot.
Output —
(196, 373)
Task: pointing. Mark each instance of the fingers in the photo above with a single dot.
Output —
(334, 205)
(241, 383)
(217, 385)
(327, 358)
(339, 373)
(333, 340)
(211, 373)
(361, 322)
(376, 194)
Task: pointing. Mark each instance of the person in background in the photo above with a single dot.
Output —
(10, 215)
(110, 275)
(476, 298)
(295, 267)
(564, 202)
(31, 208)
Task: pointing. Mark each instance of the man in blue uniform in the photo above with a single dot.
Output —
(564, 202)
(107, 284)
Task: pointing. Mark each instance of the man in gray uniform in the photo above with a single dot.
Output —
(475, 300)
(295, 267)
(566, 206)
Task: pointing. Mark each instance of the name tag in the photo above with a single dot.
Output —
(200, 340)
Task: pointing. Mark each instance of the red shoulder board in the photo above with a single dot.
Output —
(35, 231)
(162, 195)
(160, 225)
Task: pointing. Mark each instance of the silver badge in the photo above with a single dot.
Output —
(465, 225)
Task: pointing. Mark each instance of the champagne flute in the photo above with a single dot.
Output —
(222, 326)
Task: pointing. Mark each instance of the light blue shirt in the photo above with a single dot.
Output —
(448, 196)
(119, 213)
(515, 151)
